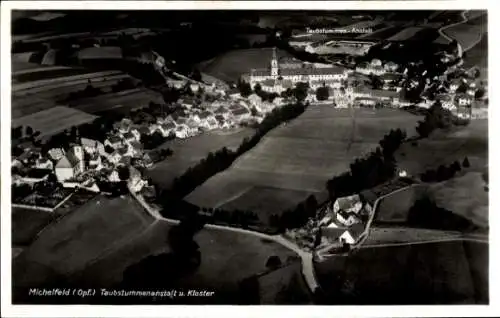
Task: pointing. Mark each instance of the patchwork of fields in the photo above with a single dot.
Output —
(188, 152)
(300, 156)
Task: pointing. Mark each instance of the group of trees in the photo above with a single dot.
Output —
(23, 132)
(296, 217)
(443, 172)
(239, 218)
(123, 85)
(437, 118)
(87, 92)
(378, 167)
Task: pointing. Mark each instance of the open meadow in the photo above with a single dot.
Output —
(66, 246)
(226, 259)
(469, 33)
(300, 156)
(452, 272)
(446, 147)
(188, 152)
(229, 66)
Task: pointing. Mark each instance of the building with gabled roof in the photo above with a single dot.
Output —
(70, 165)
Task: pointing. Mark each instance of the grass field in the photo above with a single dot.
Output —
(470, 32)
(46, 73)
(226, 258)
(381, 34)
(465, 196)
(263, 199)
(433, 273)
(446, 147)
(394, 208)
(68, 245)
(120, 102)
(188, 152)
(405, 34)
(380, 235)
(26, 224)
(54, 120)
(105, 52)
(231, 65)
(301, 156)
(477, 56)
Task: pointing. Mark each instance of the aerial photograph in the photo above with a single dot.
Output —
(249, 157)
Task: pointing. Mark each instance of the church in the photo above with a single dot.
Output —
(281, 76)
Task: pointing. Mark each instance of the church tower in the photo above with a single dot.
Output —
(274, 64)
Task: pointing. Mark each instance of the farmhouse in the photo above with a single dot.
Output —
(53, 120)
(166, 128)
(56, 153)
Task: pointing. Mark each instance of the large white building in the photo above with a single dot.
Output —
(291, 73)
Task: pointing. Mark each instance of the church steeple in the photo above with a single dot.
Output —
(274, 64)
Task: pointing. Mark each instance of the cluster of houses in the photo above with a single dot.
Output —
(344, 220)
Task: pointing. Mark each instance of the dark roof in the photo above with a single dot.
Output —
(233, 90)
(38, 173)
(128, 135)
(240, 111)
(221, 110)
(114, 139)
(205, 114)
(219, 117)
(168, 125)
(311, 71)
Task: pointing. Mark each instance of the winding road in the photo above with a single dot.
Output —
(461, 50)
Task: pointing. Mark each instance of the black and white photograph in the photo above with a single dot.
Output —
(248, 157)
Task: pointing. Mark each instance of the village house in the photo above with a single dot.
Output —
(455, 84)
(241, 114)
(446, 101)
(166, 128)
(56, 153)
(463, 99)
(254, 99)
(348, 204)
(391, 66)
(92, 146)
(113, 141)
(129, 137)
(124, 125)
(70, 165)
(181, 131)
(44, 163)
(233, 93)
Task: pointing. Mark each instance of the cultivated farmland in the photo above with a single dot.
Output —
(188, 152)
(453, 272)
(105, 52)
(54, 120)
(301, 156)
(231, 65)
(119, 102)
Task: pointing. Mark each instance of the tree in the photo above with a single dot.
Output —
(257, 88)
(123, 173)
(17, 132)
(376, 82)
(273, 262)
(466, 163)
(29, 131)
(245, 88)
(462, 88)
(479, 93)
(108, 149)
(322, 93)
(300, 91)
(196, 75)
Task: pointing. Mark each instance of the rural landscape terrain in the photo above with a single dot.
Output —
(250, 157)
